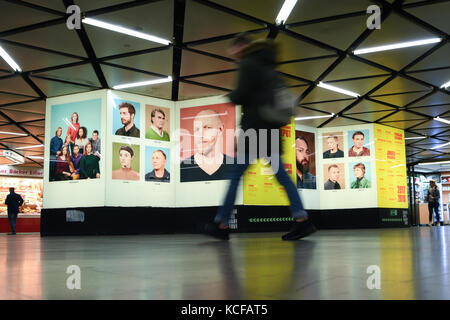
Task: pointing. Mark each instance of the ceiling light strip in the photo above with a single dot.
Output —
(314, 117)
(143, 83)
(414, 138)
(285, 11)
(130, 32)
(9, 60)
(397, 46)
(440, 146)
(427, 163)
(336, 89)
(30, 147)
(14, 133)
(442, 120)
(445, 85)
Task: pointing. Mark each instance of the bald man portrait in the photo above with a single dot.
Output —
(208, 162)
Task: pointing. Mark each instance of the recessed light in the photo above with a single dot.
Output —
(285, 11)
(143, 83)
(314, 117)
(397, 46)
(9, 60)
(336, 89)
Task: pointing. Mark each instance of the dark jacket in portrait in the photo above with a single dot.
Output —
(330, 185)
(151, 176)
(190, 170)
(328, 155)
(133, 132)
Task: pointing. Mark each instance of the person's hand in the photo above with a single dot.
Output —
(98, 175)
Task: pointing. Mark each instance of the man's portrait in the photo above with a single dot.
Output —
(157, 123)
(125, 162)
(333, 145)
(206, 152)
(359, 173)
(359, 143)
(157, 164)
(334, 176)
(126, 118)
(305, 160)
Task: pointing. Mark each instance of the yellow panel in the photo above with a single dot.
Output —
(391, 167)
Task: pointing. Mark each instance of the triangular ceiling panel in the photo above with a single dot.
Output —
(309, 70)
(432, 111)
(56, 37)
(432, 124)
(369, 106)
(190, 91)
(11, 12)
(31, 59)
(52, 4)
(399, 85)
(351, 68)
(21, 116)
(399, 100)
(437, 59)
(304, 112)
(54, 88)
(360, 86)
(225, 80)
(162, 90)
(35, 107)
(83, 74)
(291, 48)
(17, 85)
(436, 77)
(330, 107)
(401, 124)
(34, 129)
(404, 116)
(115, 76)
(434, 99)
(298, 91)
(157, 62)
(203, 22)
(319, 94)
(195, 63)
(427, 132)
(433, 14)
(342, 121)
(6, 98)
(369, 116)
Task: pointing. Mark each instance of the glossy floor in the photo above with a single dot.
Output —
(331, 264)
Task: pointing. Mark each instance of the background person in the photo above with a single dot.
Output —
(96, 143)
(56, 144)
(305, 179)
(126, 156)
(358, 149)
(433, 203)
(13, 201)
(89, 164)
(156, 130)
(359, 170)
(333, 149)
(72, 130)
(76, 158)
(63, 170)
(333, 177)
(82, 140)
(127, 113)
(159, 172)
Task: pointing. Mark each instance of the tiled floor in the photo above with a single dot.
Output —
(331, 264)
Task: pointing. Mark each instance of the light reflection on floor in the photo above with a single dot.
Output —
(331, 264)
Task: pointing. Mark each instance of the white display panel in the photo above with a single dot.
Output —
(202, 193)
(121, 189)
(310, 197)
(347, 197)
(74, 193)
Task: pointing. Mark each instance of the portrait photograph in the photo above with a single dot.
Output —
(157, 164)
(207, 145)
(332, 145)
(305, 155)
(75, 144)
(125, 161)
(157, 123)
(360, 175)
(358, 143)
(334, 176)
(126, 118)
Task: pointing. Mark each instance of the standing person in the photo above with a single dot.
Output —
(89, 164)
(76, 158)
(433, 202)
(72, 130)
(257, 61)
(96, 143)
(13, 201)
(82, 140)
(56, 144)
(63, 166)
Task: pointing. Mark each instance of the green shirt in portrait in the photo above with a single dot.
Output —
(360, 184)
(151, 134)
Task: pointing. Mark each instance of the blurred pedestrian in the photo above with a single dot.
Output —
(13, 201)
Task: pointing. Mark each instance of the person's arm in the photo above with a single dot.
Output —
(245, 84)
(20, 200)
(7, 200)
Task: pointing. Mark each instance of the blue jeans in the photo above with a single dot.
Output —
(296, 206)
(12, 217)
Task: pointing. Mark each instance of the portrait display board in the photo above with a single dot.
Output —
(260, 184)
(77, 179)
(391, 167)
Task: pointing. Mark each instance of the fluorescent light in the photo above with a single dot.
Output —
(445, 85)
(397, 46)
(285, 11)
(36, 157)
(144, 83)
(9, 60)
(413, 138)
(30, 147)
(315, 117)
(440, 146)
(333, 88)
(442, 120)
(427, 163)
(13, 133)
(130, 32)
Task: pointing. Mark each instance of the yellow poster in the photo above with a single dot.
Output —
(391, 167)
(260, 185)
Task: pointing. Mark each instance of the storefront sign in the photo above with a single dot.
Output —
(21, 171)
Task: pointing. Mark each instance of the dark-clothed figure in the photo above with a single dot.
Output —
(127, 113)
(255, 89)
(89, 164)
(433, 202)
(13, 201)
(56, 144)
(96, 143)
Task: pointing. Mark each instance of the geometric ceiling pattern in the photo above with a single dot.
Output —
(398, 88)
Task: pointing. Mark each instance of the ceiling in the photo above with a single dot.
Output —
(399, 88)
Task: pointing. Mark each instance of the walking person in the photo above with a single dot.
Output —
(257, 64)
(433, 203)
(13, 201)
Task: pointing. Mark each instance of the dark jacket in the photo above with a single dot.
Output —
(13, 201)
(434, 192)
(253, 88)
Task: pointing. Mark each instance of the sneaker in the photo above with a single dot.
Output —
(11, 234)
(300, 230)
(213, 230)
(438, 224)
